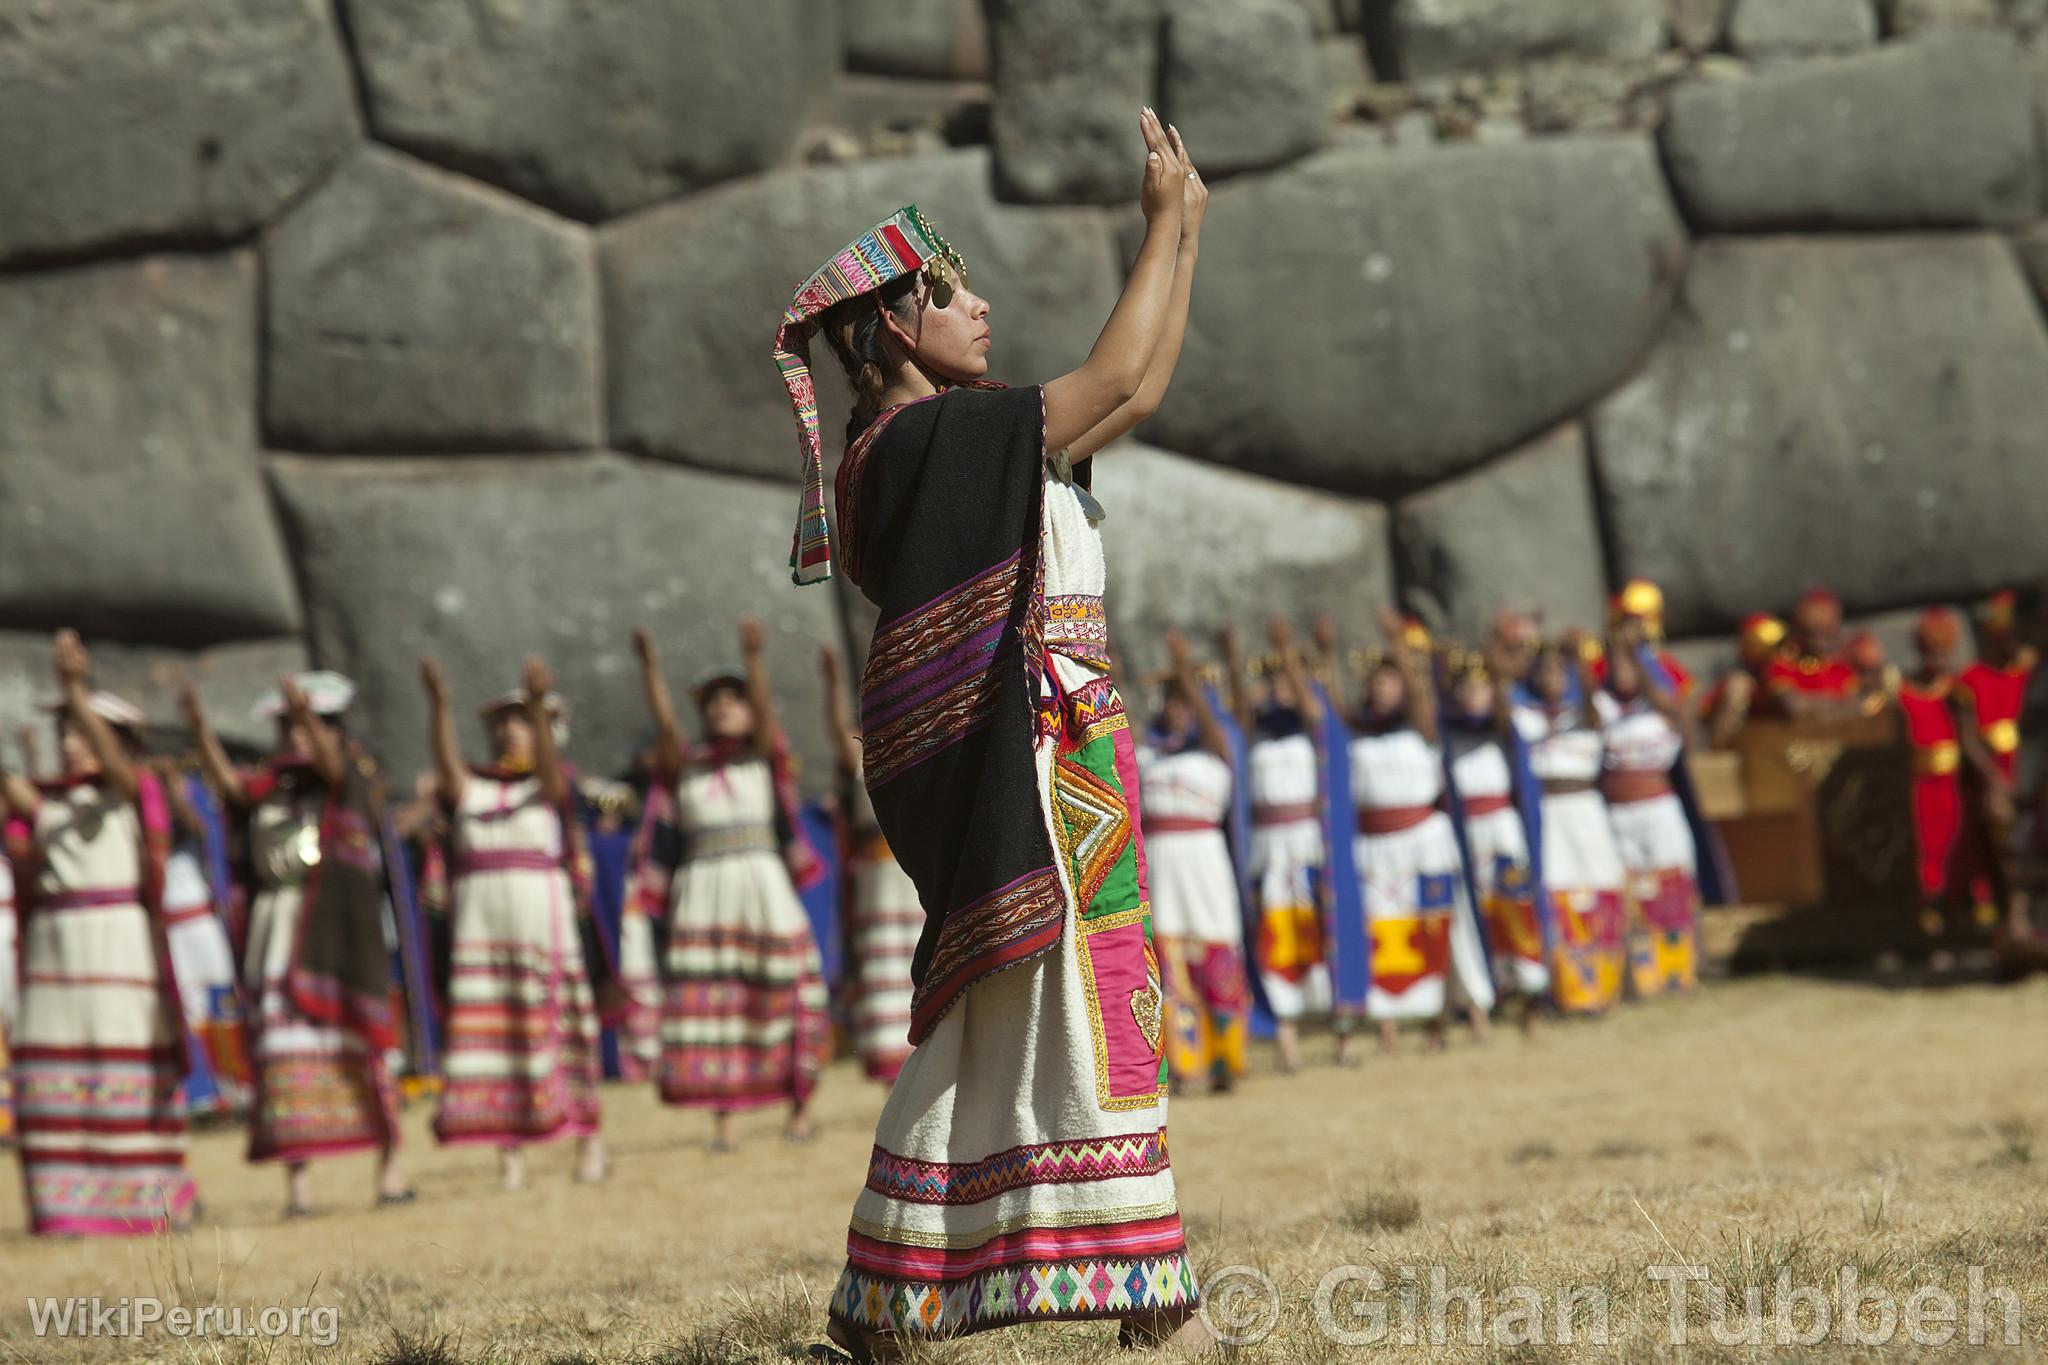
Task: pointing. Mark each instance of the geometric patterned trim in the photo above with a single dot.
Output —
(1044, 1163)
(1094, 826)
(1037, 1291)
(1011, 924)
(931, 678)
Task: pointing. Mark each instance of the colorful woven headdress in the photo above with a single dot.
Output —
(900, 245)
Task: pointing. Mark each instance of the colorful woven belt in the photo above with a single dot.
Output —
(1076, 627)
(730, 841)
(1625, 786)
(506, 860)
(1393, 819)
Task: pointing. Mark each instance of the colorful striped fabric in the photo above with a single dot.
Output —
(893, 248)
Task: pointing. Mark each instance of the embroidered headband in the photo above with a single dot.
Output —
(899, 245)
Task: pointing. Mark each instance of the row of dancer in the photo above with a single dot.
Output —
(279, 896)
(1475, 826)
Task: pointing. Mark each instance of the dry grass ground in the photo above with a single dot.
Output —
(1764, 1126)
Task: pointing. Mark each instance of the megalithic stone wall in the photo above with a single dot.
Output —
(347, 330)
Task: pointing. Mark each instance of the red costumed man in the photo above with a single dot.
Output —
(1990, 694)
(1812, 680)
(1759, 640)
(1927, 703)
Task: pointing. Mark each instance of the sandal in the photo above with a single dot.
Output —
(294, 1212)
(392, 1201)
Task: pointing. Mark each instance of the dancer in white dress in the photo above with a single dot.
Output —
(1644, 740)
(322, 1087)
(99, 1053)
(1282, 716)
(743, 1020)
(1583, 876)
(1483, 751)
(1185, 779)
(521, 1054)
(1426, 953)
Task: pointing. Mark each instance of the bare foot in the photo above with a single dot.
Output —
(1188, 1333)
(866, 1347)
(512, 1169)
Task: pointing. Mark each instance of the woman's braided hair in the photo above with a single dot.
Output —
(855, 330)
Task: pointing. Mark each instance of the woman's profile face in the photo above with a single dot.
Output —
(953, 341)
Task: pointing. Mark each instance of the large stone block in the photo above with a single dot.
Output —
(229, 677)
(1241, 80)
(685, 294)
(158, 120)
(1521, 532)
(1441, 37)
(935, 39)
(1191, 547)
(596, 109)
(1371, 321)
(1766, 30)
(483, 562)
(1071, 76)
(1938, 132)
(1909, 16)
(410, 309)
(131, 500)
(1865, 412)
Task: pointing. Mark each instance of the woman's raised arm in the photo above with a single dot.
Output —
(1116, 368)
(1194, 207)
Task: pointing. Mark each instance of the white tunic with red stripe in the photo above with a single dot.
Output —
(1418, 909)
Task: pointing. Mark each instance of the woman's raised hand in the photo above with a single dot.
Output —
(1166, 172)
(1194, 194)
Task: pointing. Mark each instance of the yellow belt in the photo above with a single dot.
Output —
(1937, 760)
(2003, 736)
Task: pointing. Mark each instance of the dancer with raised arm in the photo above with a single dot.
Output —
(522, 1045)
(1584, 878)
(1198, 925)
(1283, 717)
(100, 1052)
(1019, 1172)
(743, 1020)
(316, 968)
(1427, 958)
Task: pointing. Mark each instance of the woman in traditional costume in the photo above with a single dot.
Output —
(315, 966)
(744, 1020)
(1644, 730)
(883, 916)
(99, 1054)
(1583, 875)
(1283, 713)
(202, 952)
(1019, 1171)
(521, 1055)
(1427, 958)
(1494, 792)
(1185, 775)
